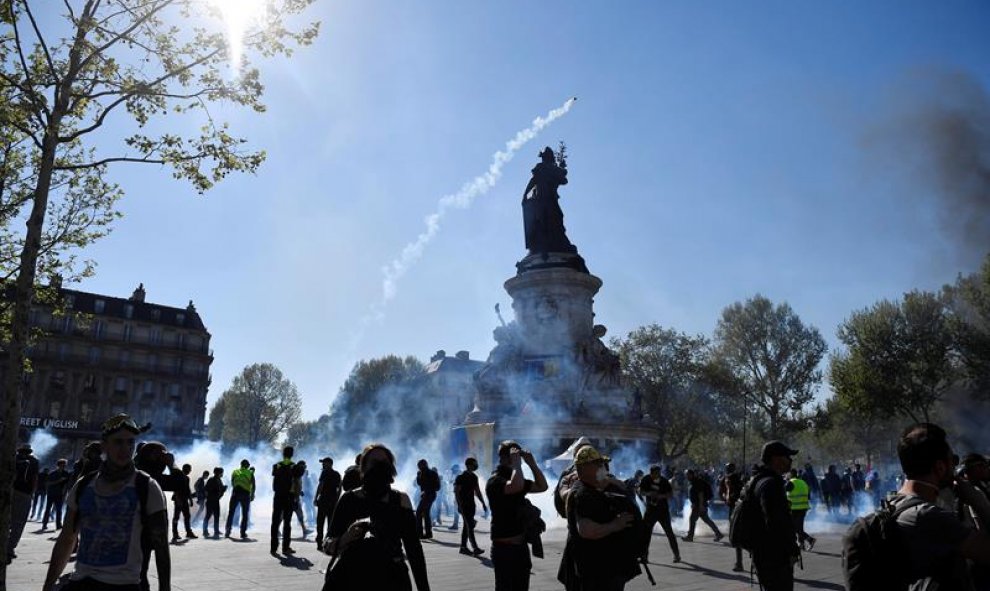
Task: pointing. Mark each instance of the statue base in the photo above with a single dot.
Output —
(535, 261)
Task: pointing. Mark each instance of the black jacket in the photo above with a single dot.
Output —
(780, 541)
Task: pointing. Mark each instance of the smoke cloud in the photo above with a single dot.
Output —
(940, 130)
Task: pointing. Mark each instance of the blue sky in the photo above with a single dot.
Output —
(717, 150)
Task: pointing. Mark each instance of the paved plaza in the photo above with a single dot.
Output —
(235, 565)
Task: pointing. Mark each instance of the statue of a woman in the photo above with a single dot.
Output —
(543, 220)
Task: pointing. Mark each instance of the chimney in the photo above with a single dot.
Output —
(463, 355)
(438, 356)
(138, 295)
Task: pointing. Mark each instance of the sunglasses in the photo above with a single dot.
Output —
(119, 422)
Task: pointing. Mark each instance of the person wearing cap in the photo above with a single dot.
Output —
(595, 552)
(730, 489)
(327, 494)
(241, 495)
(567, 479)
(655, 490)
(25, 483)
(506, 491)
(105, 517)
(775, 555)
(700, 494)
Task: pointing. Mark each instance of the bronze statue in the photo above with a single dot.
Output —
(543, 220)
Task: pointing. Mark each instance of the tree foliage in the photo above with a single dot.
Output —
(258, 407)
(898, 357)
(969, 302)
(772, 357)
(673, 373)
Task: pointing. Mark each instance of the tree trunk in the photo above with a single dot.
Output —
(13, 383)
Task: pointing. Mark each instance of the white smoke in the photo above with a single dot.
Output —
(479, 185)
(42, 442)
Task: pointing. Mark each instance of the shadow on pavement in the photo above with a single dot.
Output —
(710, 572)
(820, 584)
(296, 562)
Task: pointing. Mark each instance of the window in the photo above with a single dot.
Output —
(120, 385)
(149, 387)
(99, 306)
(125, 358)
(173, 391)
(67, 324)
(181, 341)
(94, 355)
(70, 301)
(63, 351)
(180, 318)
(128, 310)
(99, 327)
(58, 380)
(55, 409)
(128, 333)
(86, 410)
(89, 383)
(156, 315)
(156, 336)
(152, 362)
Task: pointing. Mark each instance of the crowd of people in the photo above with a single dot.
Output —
(116, 516)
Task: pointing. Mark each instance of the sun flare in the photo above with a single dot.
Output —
(238, 16)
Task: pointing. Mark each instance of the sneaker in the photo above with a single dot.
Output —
(274, 553)
(244, 536)
(687, 538)
(466, 552)
(206, 534)
(811, 543)
(677, 559)
(738, 568)
(288, 551)
(191, 535)
(176, 539)
(718, 536)
(478, 552)
(227, 535)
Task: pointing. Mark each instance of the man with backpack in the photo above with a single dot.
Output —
(700, 493)
(913, 541)
(761, 521)
(428, 482)
(113, 513)
(283, 502)
(25, 482)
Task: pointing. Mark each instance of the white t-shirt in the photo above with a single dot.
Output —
(110, 531)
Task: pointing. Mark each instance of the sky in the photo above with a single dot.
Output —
(717, 150)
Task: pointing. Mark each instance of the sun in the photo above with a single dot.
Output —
(238, 16)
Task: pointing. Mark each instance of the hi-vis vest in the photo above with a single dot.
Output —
(798, 495)
(241, 478)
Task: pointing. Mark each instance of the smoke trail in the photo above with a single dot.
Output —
(462, 199)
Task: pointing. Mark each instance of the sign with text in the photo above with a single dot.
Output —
(49, 423)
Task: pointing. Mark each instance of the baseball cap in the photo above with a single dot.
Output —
(326, 459)
(777, 448)
(587, 455)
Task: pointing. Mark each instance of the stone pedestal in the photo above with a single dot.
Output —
(553, 309)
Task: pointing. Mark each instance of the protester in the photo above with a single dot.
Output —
(776, 550)
(814, 486)
(567, 479)
(371, 526)
(352, 475)
(452, 474)
(327, 493)
(596, 555)
(241, 495)
(798, 492)
(655, 490)
(506, 491)
(832, 489)
(215, 489)
(58, 481)
(108, 515)
(466, 489)
(700, 494)
(25, 481)
(729, 491)
(283, 501)
(300, 484)
(182, 499)
(429, 483)
(199, 491)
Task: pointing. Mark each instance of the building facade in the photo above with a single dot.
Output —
(104, 355)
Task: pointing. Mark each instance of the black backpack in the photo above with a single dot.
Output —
(282, 478)
(746, 523)
(872, 553)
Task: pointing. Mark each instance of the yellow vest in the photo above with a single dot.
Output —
(798, 495)
(241, 478)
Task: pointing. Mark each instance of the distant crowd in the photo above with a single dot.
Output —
(926, 531)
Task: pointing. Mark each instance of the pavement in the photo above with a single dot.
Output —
(239, 565)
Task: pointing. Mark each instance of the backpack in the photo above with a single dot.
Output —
(871, 551)
(282, 477)
(746, 524)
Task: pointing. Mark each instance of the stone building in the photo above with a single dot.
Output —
(107, 355)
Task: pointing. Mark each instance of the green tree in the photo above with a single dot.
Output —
(123, 71)
(772, 358)
(381, 398)
(969, 302)
(258, 407)
(671, 371)
(214, 430)
(897, 358)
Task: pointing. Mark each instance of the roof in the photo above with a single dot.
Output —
(85, 302)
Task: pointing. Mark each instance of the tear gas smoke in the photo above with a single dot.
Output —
(941, 131)
(42, 443)
(462, 199)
